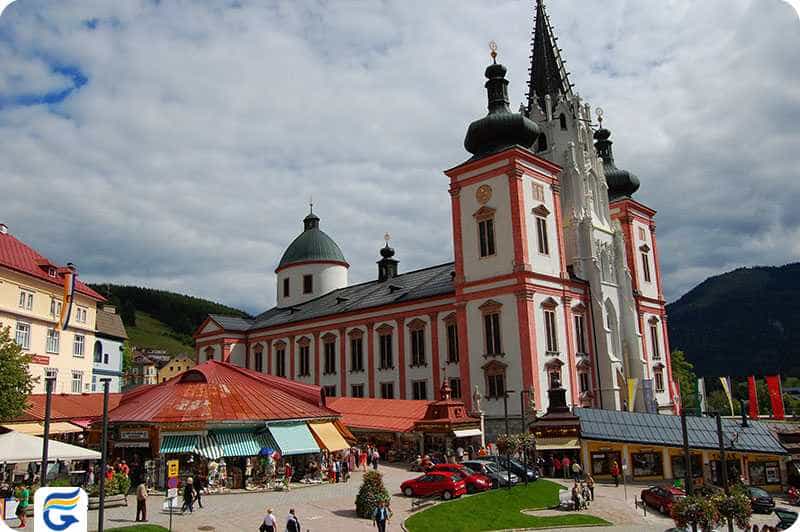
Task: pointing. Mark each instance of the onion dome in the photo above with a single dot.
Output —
(621, 183)
(313, 244)
(500, 129)
(387, 266)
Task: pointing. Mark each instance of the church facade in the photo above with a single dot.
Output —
(555, 279)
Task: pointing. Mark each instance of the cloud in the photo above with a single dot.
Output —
(175, 144)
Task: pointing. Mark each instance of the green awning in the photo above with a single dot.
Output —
(178, 443)
(208, 447)
(293, 438)
(237, 443)
(267, 442)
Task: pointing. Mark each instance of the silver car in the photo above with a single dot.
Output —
(498, 475)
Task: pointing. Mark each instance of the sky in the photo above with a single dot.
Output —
(175, 144)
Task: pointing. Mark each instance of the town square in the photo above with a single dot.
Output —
(446, 266)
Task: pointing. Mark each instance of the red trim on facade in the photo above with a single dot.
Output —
(668, 357)
(527, 341)
(656, 261)
(573, 372)
(343, 361)
(518, 232)
(520, 153)
(304, 262)
(463, 355)
(434, 317)
(291, 357)
(316, 357)
(371, 357)
(401, 356)
(458, 243)
(560, 231)
(645, 354)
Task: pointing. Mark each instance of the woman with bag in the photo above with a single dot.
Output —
(269, 524)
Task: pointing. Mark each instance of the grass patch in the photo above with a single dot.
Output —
(149, 332)
(139, 528)
(499, 509)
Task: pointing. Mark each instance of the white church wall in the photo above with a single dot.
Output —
(326, 278)
(646, 288)
(541, 263)
(391, 374)
(420, 373)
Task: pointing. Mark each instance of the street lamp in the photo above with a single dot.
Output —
(103, 457)
(48, 384)
(522, 394)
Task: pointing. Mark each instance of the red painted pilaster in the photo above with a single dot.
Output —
(291, 357)
(657, 263)
(434, 317)
(343, 362)
(458, 243)
(269, 356)
(463, 354)
(371, 357)
(518, 232)
(316, 358)
(559, 229)
(401, 355)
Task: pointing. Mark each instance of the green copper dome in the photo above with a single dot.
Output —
(313, 244)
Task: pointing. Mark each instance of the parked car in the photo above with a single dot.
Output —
(516, 467)
(475, 481)
(786, 518)
(760, 500)
(499, 476)
(662, 497)
(446, 483)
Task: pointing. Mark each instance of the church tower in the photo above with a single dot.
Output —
(594, 241)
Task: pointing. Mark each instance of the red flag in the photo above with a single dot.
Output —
(775, 396)
(752, 396)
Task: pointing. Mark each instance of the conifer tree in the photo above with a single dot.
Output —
(371, 492)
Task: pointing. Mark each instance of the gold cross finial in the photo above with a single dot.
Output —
(387, 237)
(599, 112)
(493, 53)
(311, 204)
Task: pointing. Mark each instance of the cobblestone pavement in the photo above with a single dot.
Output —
(331, 507)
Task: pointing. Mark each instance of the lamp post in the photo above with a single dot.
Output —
(103, 457)
(724, 461)
(522, 394)
(508, 454)
(48, 385)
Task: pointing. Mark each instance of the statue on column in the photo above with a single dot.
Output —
(476, 399)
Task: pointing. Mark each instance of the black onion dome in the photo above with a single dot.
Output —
(387, 252)
(500, 129)
(621, 183)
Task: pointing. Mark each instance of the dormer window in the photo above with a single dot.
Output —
(51, 272)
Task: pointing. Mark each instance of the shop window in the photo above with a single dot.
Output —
(455, 388)
(419, 390)
(357, 390)
(679, 468)
(603, 460)
(647, 464)
(764, 473)
(387, 390)
(330, 391)
(734, 470)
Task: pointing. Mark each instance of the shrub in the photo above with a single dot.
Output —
(371, 492)
(735, 506)
(695, 510)
(123, 484)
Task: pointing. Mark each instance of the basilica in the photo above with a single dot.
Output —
(555, 279)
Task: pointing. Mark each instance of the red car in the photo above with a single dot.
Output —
(662, 497)
(447, 483)
(475, 481)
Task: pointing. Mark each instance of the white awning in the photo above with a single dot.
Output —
(16, 447)
(37, 429)
(466, 433)
(557, 444)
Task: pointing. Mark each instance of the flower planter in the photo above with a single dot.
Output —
(112, 501)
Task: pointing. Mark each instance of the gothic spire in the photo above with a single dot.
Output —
(548, 74)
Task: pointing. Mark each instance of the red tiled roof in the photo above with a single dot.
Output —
(217, 391)
(392, 415)
(69, 406)
(16, 255)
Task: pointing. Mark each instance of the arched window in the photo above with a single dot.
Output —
(541, 144)
(562, 121)
(98, 352)
(613, 330)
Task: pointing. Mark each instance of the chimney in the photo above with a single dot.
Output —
(743, 411)
(3, 229)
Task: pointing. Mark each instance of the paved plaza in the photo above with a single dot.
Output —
(331, 507)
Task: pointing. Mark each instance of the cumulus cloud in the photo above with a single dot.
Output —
(175, 144)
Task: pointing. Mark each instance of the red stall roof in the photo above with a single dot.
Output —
(217, 391)
(69, 407)
(391, 415)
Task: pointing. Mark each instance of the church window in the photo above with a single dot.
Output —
(541, 143)
(330, 357)
(580, 334)
(486, 237)
(305, 361)
(554, 378)
(455, 388)
(495, 373)
(562, 121)
(385, 351)
(286, 287)
(258, 354)
(452, 342)
(417, 343)
(541, 235)
(646, 266)
(491, 327)
(419, 390)
(308, 284)
(280, 362)
(654, 340)
(357, 390)
(642, 234)
(356, 354)
(583, 379)
(330, 391)
(658, 377)
(538, 192)
(387, 390)
(551, 334)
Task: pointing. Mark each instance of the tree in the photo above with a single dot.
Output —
(16, 382)
(127, 357)
(371, 492)
(683, 373)
(128, 313)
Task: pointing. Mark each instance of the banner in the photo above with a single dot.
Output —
(650, 404)
(701, 395)
(775, 396)
(752, 396)
(726, 387)
(632, 382)
(70, 275)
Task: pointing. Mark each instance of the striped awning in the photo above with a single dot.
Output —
(208, 447)
(293, 438)
(237, 443)
(178, 443)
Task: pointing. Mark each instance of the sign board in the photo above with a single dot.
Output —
(172, 493)
(172, 482)
(134, 435)
(172, 468)
(40, 359)
(10, 509)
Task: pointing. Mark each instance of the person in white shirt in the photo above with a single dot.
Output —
(270, 524)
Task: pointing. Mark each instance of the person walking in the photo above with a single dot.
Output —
(590, 485)
(615, 473)
(141, 502)
(288, 472)
(362, 459)
(269, 524)
(292, 522)
(376, 456)
(576, 470)
(565, 463)
(188, 496)
(199, 486)
(23, 501)
(345, 470)
(556, 467)
(337, 468)
(381, 515)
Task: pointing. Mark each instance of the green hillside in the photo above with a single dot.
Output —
(151, 333)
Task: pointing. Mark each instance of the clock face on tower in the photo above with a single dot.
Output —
(483, 194)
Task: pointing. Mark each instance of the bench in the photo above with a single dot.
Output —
(421, 502)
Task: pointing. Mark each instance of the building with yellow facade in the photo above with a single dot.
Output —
(31, 300)
(174, 366)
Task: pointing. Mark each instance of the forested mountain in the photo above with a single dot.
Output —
(159, 319)
(744, 322)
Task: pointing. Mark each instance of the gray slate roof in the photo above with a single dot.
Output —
(110, 324)
(418, 284)
(660, 429)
